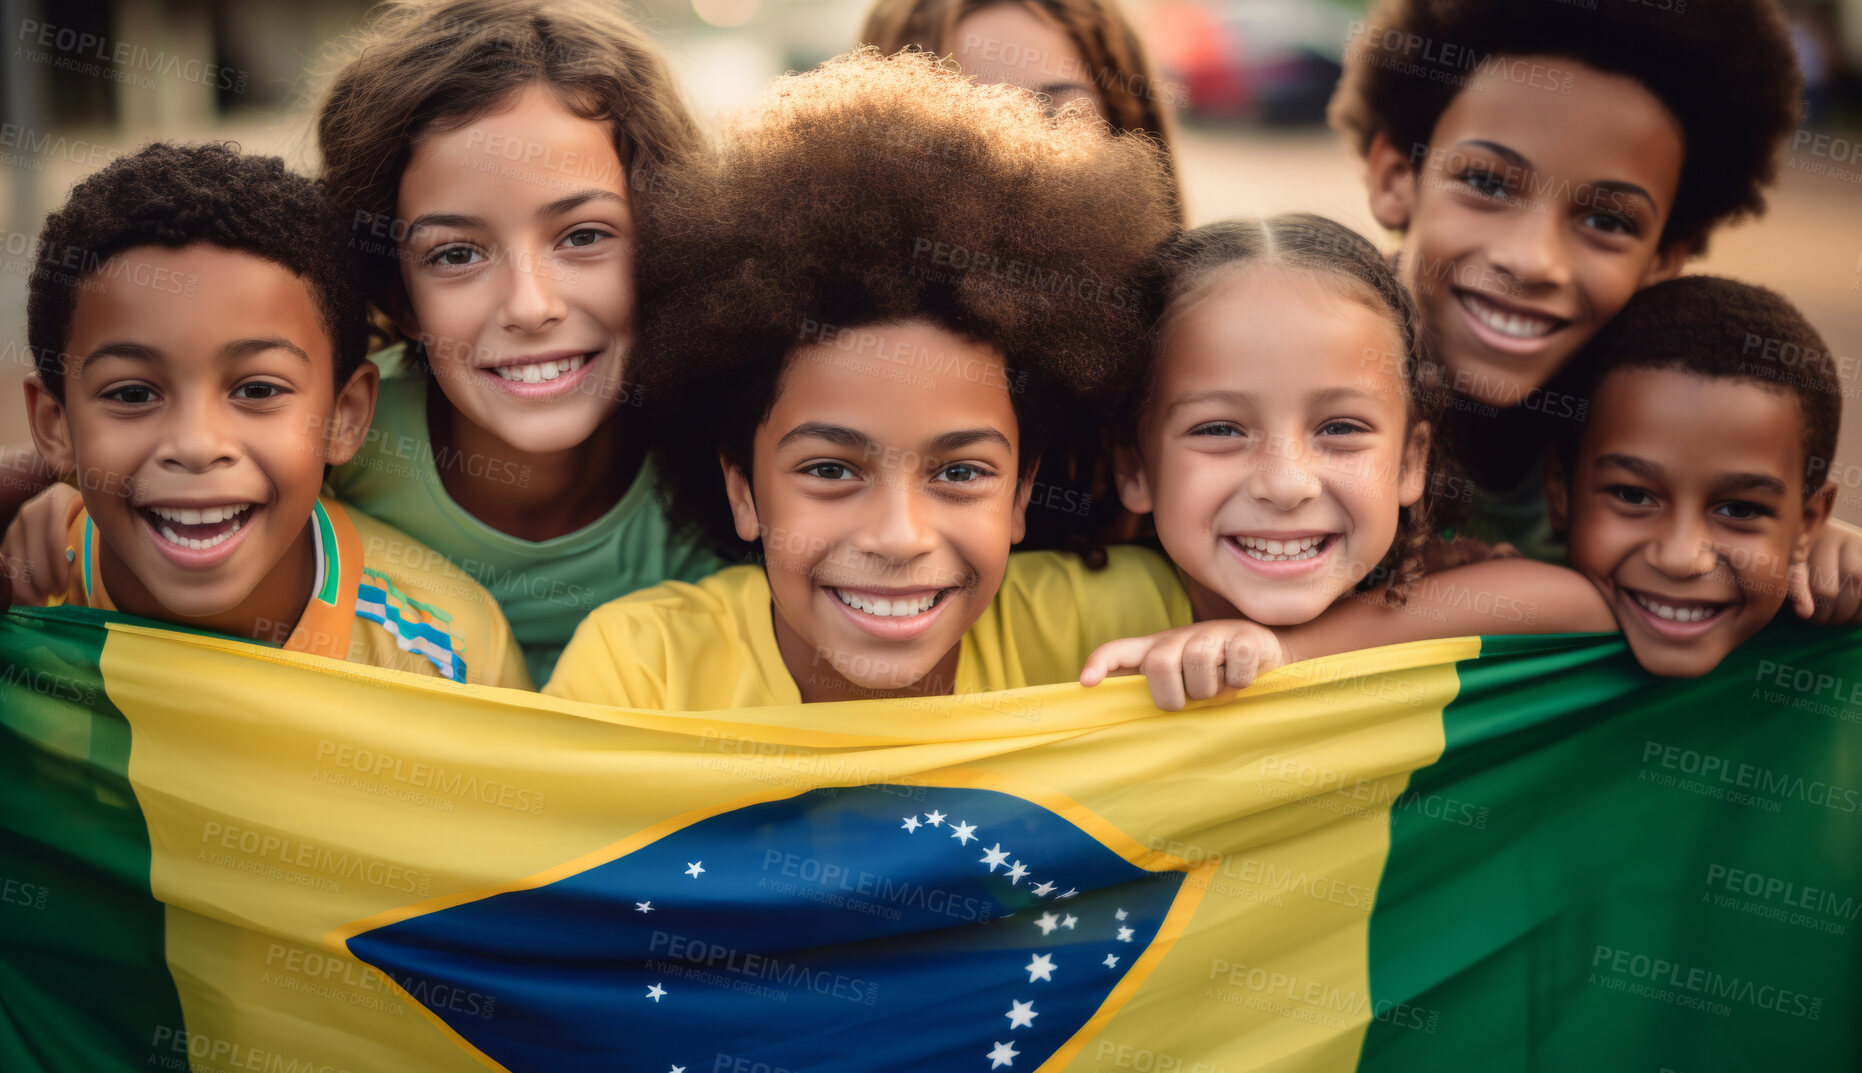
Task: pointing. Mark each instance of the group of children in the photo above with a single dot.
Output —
(666, 421)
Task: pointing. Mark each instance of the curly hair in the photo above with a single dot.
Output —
(1177, 274)
(1720, 328)
(1725, 70)
(1123, 80)
(179, 195)
(419, 66)
(877, 190)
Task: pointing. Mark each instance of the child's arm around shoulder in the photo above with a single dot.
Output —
(34, 544)
(1207, 660)
(1826, 588)
(1498, 596)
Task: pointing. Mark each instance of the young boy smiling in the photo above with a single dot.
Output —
(1701, 471)
(198, 375)
(872, 412)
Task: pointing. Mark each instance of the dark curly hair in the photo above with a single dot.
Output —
(179, 195)
(1175, 276)
(883, 189)
(1720, 328)
(425, 65)
(1725, 70)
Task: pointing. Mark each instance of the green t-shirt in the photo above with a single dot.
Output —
(1517, 516)
(544, 587)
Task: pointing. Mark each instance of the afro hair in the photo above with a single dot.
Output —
(878, 190)
(1726, 330)
(179, 195)
(1725, 70)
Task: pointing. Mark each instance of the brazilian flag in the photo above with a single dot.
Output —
(1471, 854)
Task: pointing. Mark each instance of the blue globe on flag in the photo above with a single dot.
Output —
(843, 930)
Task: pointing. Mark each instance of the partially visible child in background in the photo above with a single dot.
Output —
(868, 417)
(1702, 467)
(1281, 433)
(1064, 50)
(198, 380)
(493, 159)
(1542, 162)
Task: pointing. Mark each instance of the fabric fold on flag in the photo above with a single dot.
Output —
(1471, 853)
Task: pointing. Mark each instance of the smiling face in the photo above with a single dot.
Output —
(1007, 43)
(199, 411)
(1685, 507)
(518, 266)
(1530, 219)
(886, 505)
(1275, 451)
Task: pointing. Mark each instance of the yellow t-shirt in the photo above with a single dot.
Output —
(380, 598)
(710, 645)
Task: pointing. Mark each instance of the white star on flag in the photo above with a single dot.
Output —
(1121, 914)
(1003, 1055)
(693, 868)
(643, 907)
(1070, 922)
(1070, 893)
(1044, 888)
(963, 832)
(1047, 923)
(1021, 1014)
(911, 824)
(1111, 961)
(934, 817)
(678, 1069)
(993, 857)
(1016, 873)
(655, 992)
(1041, 968)
(1124, 935)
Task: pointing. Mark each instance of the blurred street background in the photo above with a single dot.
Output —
(1255, 75)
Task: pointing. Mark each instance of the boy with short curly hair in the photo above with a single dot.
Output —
(867, 316)
(1702, 468)
(199, 350)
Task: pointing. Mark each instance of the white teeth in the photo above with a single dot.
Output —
(1513, 324)
(199, 516)
(885, 608)
(540, 371)
(1675, 614)
(197, 544)
(1275, 551)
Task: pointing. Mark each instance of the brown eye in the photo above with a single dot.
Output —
(828, 471)
(131, 395)
(1741, 511)
(962, 473)
(1216, 428)
(454, 256)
